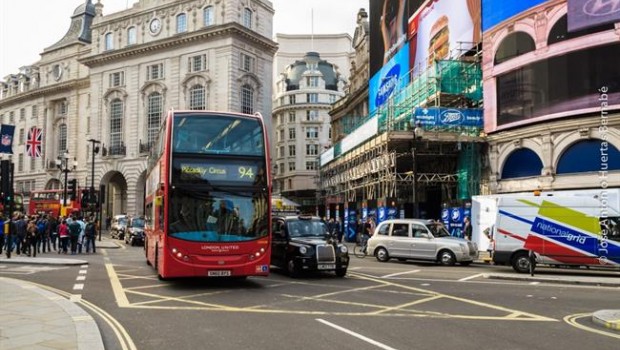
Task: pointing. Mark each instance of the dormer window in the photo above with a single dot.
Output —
(131, 36)
(109, 41)
(209, 16)
(181, 23)
(247, 18)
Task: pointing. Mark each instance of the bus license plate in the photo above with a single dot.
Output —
(219, 273)
(326, 266)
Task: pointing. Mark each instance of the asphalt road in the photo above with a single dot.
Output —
(395, 305)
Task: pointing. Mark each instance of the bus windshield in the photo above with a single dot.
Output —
(217, 215)
(217, 134)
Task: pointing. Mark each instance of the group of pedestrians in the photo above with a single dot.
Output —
(44, 233)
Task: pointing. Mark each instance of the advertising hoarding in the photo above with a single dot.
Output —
(447, 117)
(496, 11)
(441, 29)
(390, 79)
(591, 13)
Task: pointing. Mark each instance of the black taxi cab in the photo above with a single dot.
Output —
(302, 243)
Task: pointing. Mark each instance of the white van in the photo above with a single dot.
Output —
(578, 230)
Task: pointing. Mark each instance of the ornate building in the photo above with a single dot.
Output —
(309, 82)
(113, 77)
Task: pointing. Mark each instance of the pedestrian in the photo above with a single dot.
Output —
(63, 234)
(43, 235)
(467, 230)
(90, 233)
(108, 222)
(74, 234)
(80, 242)
(20, 230)
(2, 239)
(338, 229)
(359, 230)
(32, 238)
(367, 231)
(52, 227)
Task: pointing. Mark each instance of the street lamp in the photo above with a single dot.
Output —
(418, 133)
(62, 162)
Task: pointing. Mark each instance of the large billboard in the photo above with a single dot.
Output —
(388, 29)
(442, 29)
(591, 13)
(497, 11)
(391, 78)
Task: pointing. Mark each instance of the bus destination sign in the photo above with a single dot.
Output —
(220, 172)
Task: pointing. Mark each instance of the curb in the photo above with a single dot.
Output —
(597, 283)
(88, 334)
(43, 261)
(607, 318)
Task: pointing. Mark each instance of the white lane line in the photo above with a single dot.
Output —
(534, 283)
(357, 335)
(83, 272)
(80, 278)
(84, 266)
(471, 277)
(78, 286)
(75, 297)
(399, 273)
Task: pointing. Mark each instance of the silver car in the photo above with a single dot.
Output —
(421, 240)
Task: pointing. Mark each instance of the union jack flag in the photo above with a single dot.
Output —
(34, 142)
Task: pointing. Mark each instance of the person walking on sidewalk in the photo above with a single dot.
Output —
(90, 234)
(52, 227)
(80, 242)
(74, 234)
(20, 233)
(31, 238)
(63, 235)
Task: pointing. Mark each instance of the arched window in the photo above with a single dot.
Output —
(109, 41)
(116, 123)
(522, 163)
(559, 32)
(62, 139)
(589, 156)
(153, 116)
(209, 16)
(131, 36)
(181, 23)
(197, 97)
(247, 99)
(513, 45)
(247, 18)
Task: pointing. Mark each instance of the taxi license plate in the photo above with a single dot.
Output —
(326, 266)
(219, 273)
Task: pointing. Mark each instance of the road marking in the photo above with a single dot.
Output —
(78, 286)
(471, 277)
(534, 283)
(399, 273)
(80, 278)
(83, 272)
(572, 320)
(357, 335)
(85, 266)
(398, 307)
(119, 294)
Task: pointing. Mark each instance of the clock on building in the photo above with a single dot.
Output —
(155, 26)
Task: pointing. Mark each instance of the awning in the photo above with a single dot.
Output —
(283, 203)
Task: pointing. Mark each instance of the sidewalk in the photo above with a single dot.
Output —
(33, 317)
(53, 258)
(600, 281)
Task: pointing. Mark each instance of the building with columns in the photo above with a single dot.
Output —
(112, 77)
(551, 98)
(310, 74)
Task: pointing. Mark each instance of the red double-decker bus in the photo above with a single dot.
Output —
(207, 196)
(51, 202)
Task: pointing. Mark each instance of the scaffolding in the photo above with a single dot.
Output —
(447, 159)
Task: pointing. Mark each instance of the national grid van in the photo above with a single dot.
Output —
(565, 229)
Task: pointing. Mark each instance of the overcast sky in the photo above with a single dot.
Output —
(29, 26)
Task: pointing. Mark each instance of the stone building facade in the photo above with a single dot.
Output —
(312, 73)
(123, 71)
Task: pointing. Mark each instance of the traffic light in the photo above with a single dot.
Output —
(85, 198)
(73, 189)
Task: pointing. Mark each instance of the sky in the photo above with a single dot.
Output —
(29, 26)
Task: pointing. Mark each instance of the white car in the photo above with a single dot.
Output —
(421, 240)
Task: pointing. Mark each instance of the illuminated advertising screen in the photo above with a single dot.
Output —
(591, 13)
(390, 79)
(388, 29)
(496, 11)
(442, 29)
